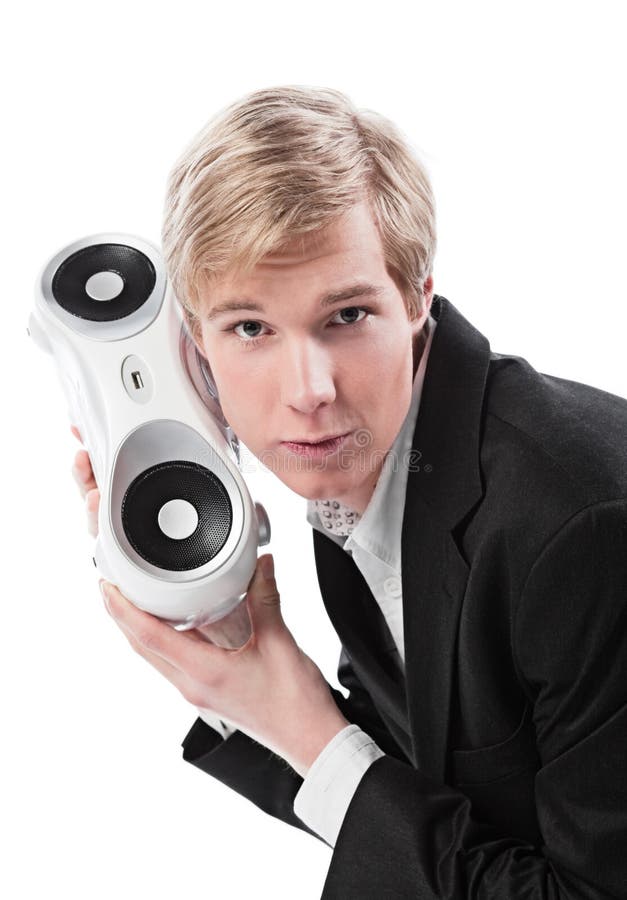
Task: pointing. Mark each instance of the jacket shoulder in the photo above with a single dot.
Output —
(542, 423)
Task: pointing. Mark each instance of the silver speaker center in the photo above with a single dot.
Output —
(104, 286)
(178, 519)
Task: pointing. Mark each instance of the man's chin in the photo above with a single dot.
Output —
(313, 485)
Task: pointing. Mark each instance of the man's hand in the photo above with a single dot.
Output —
(268, 688)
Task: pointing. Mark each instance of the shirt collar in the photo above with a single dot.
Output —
(378, 531)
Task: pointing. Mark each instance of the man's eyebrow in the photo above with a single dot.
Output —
(362, 289)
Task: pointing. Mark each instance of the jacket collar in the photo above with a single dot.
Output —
(448, 430)
(443, 485)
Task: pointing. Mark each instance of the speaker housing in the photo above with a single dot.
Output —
(177, 529)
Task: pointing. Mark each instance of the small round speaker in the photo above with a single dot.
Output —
(177, 515)
(104, 282)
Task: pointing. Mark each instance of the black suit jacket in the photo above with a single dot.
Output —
(505, 774)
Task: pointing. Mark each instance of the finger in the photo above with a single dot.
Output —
(76, 433)
(263, 598)
(82, 472)
(186, 651)
(92, 502)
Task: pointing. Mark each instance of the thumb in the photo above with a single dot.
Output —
(263, 600)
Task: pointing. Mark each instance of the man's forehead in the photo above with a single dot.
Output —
(344, 259)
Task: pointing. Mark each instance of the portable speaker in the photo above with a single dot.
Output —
(177, 529)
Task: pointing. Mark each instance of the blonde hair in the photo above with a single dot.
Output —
(284, 161)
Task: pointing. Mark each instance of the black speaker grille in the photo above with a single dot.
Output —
(133, 267)
(177, 479)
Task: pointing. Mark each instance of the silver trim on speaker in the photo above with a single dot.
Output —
(151, 444)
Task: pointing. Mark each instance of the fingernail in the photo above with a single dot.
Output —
(105, 595)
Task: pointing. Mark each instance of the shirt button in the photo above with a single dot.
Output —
(392, 586)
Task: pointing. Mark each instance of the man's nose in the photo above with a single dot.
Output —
(306, 376)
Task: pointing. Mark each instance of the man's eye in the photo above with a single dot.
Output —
(247, 335)
(350, 311)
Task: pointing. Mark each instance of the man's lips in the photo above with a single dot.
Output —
(319, 440)
(317, 450)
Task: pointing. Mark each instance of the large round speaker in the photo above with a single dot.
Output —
(104, 282)
(177, 515)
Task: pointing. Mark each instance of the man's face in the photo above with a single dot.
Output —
(290, 368)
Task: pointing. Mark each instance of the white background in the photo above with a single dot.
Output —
(518, 112)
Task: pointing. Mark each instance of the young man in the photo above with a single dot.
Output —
(469, 520)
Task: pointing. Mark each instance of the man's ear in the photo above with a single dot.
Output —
(427, 294)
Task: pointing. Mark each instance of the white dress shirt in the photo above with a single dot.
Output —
(374, 542)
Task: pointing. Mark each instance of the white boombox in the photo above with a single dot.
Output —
(177, 530)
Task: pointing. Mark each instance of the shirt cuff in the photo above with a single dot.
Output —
(214, 721)
(330, 783)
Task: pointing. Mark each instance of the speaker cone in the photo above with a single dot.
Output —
(177, 515)
(104, 282)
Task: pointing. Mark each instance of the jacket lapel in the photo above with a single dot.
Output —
(444, 483)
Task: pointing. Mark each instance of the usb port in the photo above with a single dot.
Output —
(137, 380)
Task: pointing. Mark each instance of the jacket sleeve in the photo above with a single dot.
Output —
(247, 767)
(261, 776)
(407, 836)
